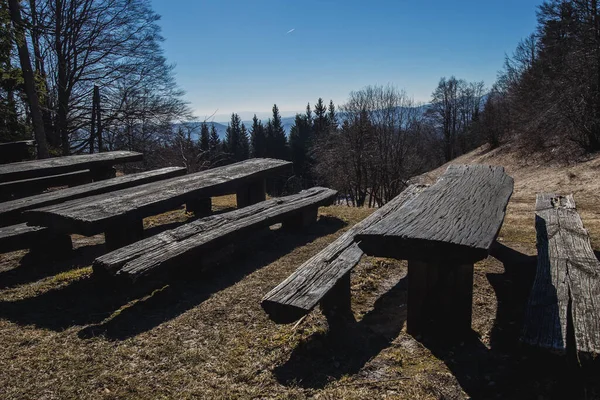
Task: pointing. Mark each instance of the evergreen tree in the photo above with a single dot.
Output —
(204, 137)
(300, 146)
(321, 123)
(258, 138)
(332, 117)
(214, 141)
(276, 139)
(236, 139)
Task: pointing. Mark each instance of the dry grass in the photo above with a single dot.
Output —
(66, 335)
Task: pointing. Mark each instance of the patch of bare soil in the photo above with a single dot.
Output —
(67, 335)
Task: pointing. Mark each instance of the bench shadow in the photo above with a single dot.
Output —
(32, 268)
(188, 288)
(329, 356)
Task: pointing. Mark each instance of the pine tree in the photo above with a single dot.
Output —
(214, 141)
(204, 137)
(276, 139)
(245, 144)
(236, 139)
(321, 123)
(332, 117)
(258, 138)
(300, 145)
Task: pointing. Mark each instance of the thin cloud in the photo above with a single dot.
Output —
(290, 31)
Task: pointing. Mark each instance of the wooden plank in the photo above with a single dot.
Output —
(189, 242)
(456, 220)
(28, 187)
(308, 285)
(566, 290)
(96, 214)
(11, 211)
(61, 165)
(20, 236)
(15, 151)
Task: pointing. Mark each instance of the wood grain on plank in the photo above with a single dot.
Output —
(61, 165)
(96, 214)
(567, 275)
(10, 211)
(189, 241)
(308, 285)
(456, 220)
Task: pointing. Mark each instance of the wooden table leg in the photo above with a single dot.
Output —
(301, 219)
(200, 207)
(336, 306)
(440, 298)
(252, 193)
(99, 174)
(54, 246)
(122, 234)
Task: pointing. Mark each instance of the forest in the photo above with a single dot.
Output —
(82, 76)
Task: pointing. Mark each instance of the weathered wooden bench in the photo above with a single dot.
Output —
(191, 243)
(101, 165)
(29, 187)
(120, 214)
(325, 278)
(20, 236)
(15, 151)
(442, 232)
(563, 312)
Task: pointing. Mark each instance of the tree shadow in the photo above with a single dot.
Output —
(328, 356)
(32, 268)
(189, 287)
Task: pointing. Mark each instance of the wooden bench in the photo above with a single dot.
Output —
(29, 187)
(563, 313)
(119, 214)
(442, 232)
(193, 242)
(325, 278)
(100, 164)
(21, 236)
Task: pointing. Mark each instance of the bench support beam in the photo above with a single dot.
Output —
(336, 306)
(301, 219)
(440, 298)
(200, 207)
(52, 246)
(122, 234)
(252, 193)
(102, 173)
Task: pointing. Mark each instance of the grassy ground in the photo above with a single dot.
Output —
(65, 335)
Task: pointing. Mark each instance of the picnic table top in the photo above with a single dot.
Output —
(93, 215)
(61, 165)
(456, 219)
(18, 143)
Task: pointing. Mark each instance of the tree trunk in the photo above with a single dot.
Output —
(30, 89)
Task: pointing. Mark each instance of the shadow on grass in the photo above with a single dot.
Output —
(92, 300)
(323, 357)
(190, 288)
(32, 268)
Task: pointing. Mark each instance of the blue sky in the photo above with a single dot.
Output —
(240, 56)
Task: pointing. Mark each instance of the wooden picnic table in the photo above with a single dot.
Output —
(120, 214)
(442, 232)
(100, 164)
(15, 151)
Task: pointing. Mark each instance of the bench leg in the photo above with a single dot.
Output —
(122, 234)
(440, 299)
(99, 174)
(200, 207)
(336, 306)
(53, 246)
(252, 193)
(301, 219)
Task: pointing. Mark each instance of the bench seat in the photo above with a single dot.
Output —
(193, 241)
(563, 306)
(29, 187)
(312, 281)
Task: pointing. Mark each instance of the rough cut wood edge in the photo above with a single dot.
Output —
(187, 242)
(303, 290)
(455, 220)
(566, 289)
(20, 236)
(61, 165)
(10, 211)
(16, 189)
